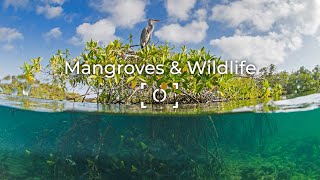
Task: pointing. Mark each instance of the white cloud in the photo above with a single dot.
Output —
(261, 14)
(8, 36)
(125, 13)
(201, 14)
(180, 9)
(54, 33)
(15, 3)
(53, 2)
(49, 8)
(267, 31)
(267, 49)
(307, 21)
(49, 11)
(194, 32)
(7, 47)
(103, 31)
(59, 2)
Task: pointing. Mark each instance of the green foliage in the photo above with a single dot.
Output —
(122, 86)
(29, 70)
(57, 68)
(197, 88)
(277, 91)
(240, 88)
(284, 83)
(43, 91)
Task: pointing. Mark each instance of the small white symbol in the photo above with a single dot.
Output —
(143, 106)
(176, 86)
(141, 88)
(176, 106)
(155, 93)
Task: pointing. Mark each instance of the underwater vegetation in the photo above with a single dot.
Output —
(142, 149)
(76, 145)
(295, 159)
(91, 147)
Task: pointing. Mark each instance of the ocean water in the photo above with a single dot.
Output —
(49, 140)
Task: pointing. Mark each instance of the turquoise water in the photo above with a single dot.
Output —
(50, 143)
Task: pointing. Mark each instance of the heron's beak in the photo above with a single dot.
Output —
(156, 20)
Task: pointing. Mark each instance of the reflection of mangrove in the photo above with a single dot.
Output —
(148, 147)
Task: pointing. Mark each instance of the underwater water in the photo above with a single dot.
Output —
(54, 142)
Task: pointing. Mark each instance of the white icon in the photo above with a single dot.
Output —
(154, 93)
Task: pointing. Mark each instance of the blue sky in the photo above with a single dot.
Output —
(286, 33)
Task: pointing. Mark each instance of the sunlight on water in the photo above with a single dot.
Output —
(298, 104)
(290, 105)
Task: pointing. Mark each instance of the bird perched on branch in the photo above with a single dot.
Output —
(147, 33)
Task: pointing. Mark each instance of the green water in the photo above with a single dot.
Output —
(79, 145)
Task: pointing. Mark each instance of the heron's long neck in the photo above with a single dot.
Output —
(151, 27)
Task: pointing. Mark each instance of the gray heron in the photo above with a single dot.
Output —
(147, 33)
